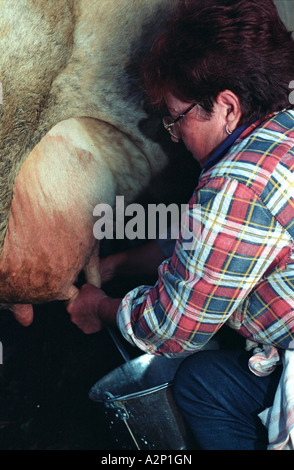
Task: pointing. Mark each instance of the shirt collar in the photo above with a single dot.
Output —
(220, 152)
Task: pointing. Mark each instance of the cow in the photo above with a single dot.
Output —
(75, 131)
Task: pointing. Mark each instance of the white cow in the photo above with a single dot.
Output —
(74, 132)
(72, 135)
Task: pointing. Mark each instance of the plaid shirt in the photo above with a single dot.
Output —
(240, 270)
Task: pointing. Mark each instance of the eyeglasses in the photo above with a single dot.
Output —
(169, 123)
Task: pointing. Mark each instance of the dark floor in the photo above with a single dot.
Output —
(47, 372)
(48, 369)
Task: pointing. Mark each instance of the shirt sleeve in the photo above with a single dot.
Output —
(235, 240)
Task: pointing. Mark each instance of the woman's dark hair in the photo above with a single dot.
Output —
(212, 45)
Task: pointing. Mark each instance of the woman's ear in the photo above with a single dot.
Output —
(231, 107)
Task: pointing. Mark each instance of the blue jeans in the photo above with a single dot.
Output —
(220, 399)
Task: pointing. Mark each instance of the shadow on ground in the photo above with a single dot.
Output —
(47, 372)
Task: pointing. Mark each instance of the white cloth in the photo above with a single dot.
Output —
(279, 418)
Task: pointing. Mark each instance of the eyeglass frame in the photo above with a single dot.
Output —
(168, 127)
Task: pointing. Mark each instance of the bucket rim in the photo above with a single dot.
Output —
(102, 387)
(131, 396)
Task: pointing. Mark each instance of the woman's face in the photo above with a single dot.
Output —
(201, 135)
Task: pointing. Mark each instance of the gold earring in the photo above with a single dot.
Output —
(228, 130)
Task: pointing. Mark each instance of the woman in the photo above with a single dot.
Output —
(222, 69)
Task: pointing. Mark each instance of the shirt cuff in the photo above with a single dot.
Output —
(132, 300)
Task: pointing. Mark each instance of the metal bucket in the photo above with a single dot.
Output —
(139, 405)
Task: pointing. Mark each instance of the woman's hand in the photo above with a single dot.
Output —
(140, 261)
(91, 309)
(109, 267)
